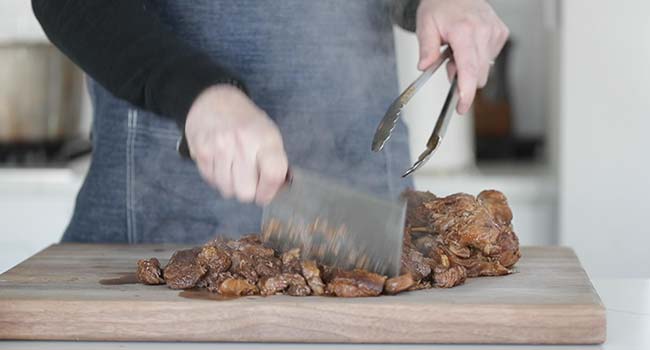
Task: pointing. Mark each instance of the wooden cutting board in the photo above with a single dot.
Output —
(57, 295)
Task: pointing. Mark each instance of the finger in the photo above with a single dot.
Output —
(451, 70)
(244, 173)
(428, 40)
(466, 60)
(222, 165)
(206, 172)
(203, 158)
(483, 49)
(273, 166)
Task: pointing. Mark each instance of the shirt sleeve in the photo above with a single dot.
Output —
(403, 13)
(128, 50)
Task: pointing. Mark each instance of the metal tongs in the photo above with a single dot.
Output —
(387, 124)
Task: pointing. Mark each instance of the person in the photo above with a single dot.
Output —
(254, 86)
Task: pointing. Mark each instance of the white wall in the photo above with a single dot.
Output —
(604, 135)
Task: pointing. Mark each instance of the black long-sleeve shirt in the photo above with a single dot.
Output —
(127, 49)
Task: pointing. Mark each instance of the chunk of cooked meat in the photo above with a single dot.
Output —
(291, 261)
(355, 283)
(213, 259)
(416, 214)
(244, 265)
(399, 284)
(149, 271)
(312, 275)
(183, 271)
(449, 277)
(236, 287)
(474, 232)
(293, 283)
(414, 263)
(446, 240)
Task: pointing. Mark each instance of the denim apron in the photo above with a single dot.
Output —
(324, 70)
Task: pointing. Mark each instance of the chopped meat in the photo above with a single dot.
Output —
(417, 216)
(355, 283)
(149, 271)
(311, 272)
(399, 284)
(449, 277)
(183, 271)
(446, 240)
(268, 266)
(244, 265)
(213, 259)
(236, 287)
(475, 233)
(291, 261)
(414, 263)
(293, 283)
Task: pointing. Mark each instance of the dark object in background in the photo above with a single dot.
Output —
(493, 123)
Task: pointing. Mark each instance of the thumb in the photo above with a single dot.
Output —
(428, 40)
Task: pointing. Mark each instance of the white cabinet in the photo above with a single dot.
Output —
(35, 207)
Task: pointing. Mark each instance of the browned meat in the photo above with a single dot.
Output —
(449, 277)
(415, 264)
(293, 283)
(355, 283)
(312, 275)
(244, 265)
(149, 271)
(399, 284)
(213, 259)
(446, 240)
(416, 214)
(291, 261)
(183, 271)
(474, 233)
(235, 287)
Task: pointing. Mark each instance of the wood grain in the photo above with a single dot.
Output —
(56, 295)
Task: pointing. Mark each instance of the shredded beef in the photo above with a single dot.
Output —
(446, 240)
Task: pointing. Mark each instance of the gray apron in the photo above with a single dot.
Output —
(323, 70)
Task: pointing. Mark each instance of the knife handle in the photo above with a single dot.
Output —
(183, 148)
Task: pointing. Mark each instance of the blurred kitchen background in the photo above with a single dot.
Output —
(561, 129)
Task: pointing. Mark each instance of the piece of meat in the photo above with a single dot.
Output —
(497, 204)
(475, 233)
(183, 271)
(355, 283)
(235, 287)
(449, 277)
(213, 259)
(267, 266)
(414, 263)
(399, 284)
(417, 216)
(243, 265)
(293, 283)
(291, 261)
(312, 275)
(149, 271)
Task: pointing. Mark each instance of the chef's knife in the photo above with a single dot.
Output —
(335, 225)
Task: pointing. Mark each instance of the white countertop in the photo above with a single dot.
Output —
(628, 327)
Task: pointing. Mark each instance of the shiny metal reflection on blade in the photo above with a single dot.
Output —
(335, 225)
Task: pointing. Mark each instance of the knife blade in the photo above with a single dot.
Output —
(335, 225)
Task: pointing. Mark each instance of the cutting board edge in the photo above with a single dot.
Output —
(549, 325)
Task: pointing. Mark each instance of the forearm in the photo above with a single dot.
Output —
(403, 13)
(129, 51)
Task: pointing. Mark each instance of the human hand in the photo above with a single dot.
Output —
(236, 146)
(475, 34)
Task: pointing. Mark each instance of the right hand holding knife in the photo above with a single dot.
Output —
(238, 149)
